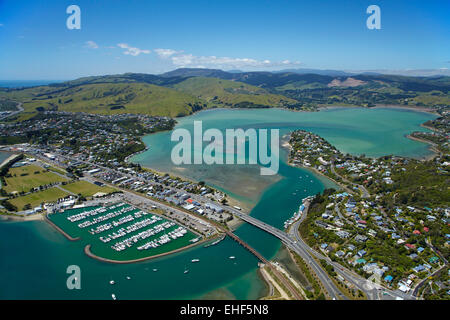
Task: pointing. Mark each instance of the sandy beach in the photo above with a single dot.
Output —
(10, 217)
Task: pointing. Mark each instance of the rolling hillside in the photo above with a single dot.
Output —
(225, 93)
(183, 91)
(111, 98)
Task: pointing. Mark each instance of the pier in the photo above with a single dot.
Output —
(285, 282)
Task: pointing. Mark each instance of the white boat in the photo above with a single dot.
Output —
(186, 271)
(114, 296)
(128, 278)
(195, 260)
(154, 270)
(232, 257)
(111, 282)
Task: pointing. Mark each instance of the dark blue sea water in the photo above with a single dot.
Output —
(25, 83)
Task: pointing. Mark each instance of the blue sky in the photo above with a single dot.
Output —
(154, 36)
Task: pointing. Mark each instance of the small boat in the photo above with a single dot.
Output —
(114, 296)
(195, 260)
(128, 278)
(232, 257)
(154, 270)
(111, 282)
(186, 271)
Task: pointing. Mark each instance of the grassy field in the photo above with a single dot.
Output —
(35, 199)
(30, 179)
(87, 189)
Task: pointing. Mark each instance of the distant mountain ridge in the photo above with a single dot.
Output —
(183, 91)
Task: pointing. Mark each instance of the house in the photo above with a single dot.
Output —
(420, 249)
(427, 266)
(413, 256)
(416, 232)
(339, 254)
(343, 234)
(360, 238)
(323, 246)
(372, 233)
(361, 253)
(388, 278)
(419, 268)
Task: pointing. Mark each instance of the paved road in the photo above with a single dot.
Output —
(365, 193)
(19, 110)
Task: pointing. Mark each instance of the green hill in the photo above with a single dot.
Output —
(226, 93)
(111, 98)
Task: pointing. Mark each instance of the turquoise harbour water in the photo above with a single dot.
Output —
(34, 256)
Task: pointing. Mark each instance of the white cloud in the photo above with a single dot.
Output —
(91, 44)
(132, 50)
(166, 53)
(180, 59)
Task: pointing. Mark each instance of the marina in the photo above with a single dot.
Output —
(123, 232)
(297, 214)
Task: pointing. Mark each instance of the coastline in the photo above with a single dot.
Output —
(12, 217)
(431, 147)
(319, 174)
(394, 106)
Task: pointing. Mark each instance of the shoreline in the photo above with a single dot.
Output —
(13, 217)
(400, 107)
(431, 147)
(288, 147)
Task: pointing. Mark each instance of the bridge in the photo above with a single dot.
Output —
(278, 275)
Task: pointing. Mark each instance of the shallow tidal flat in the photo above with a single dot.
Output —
(373, 132)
